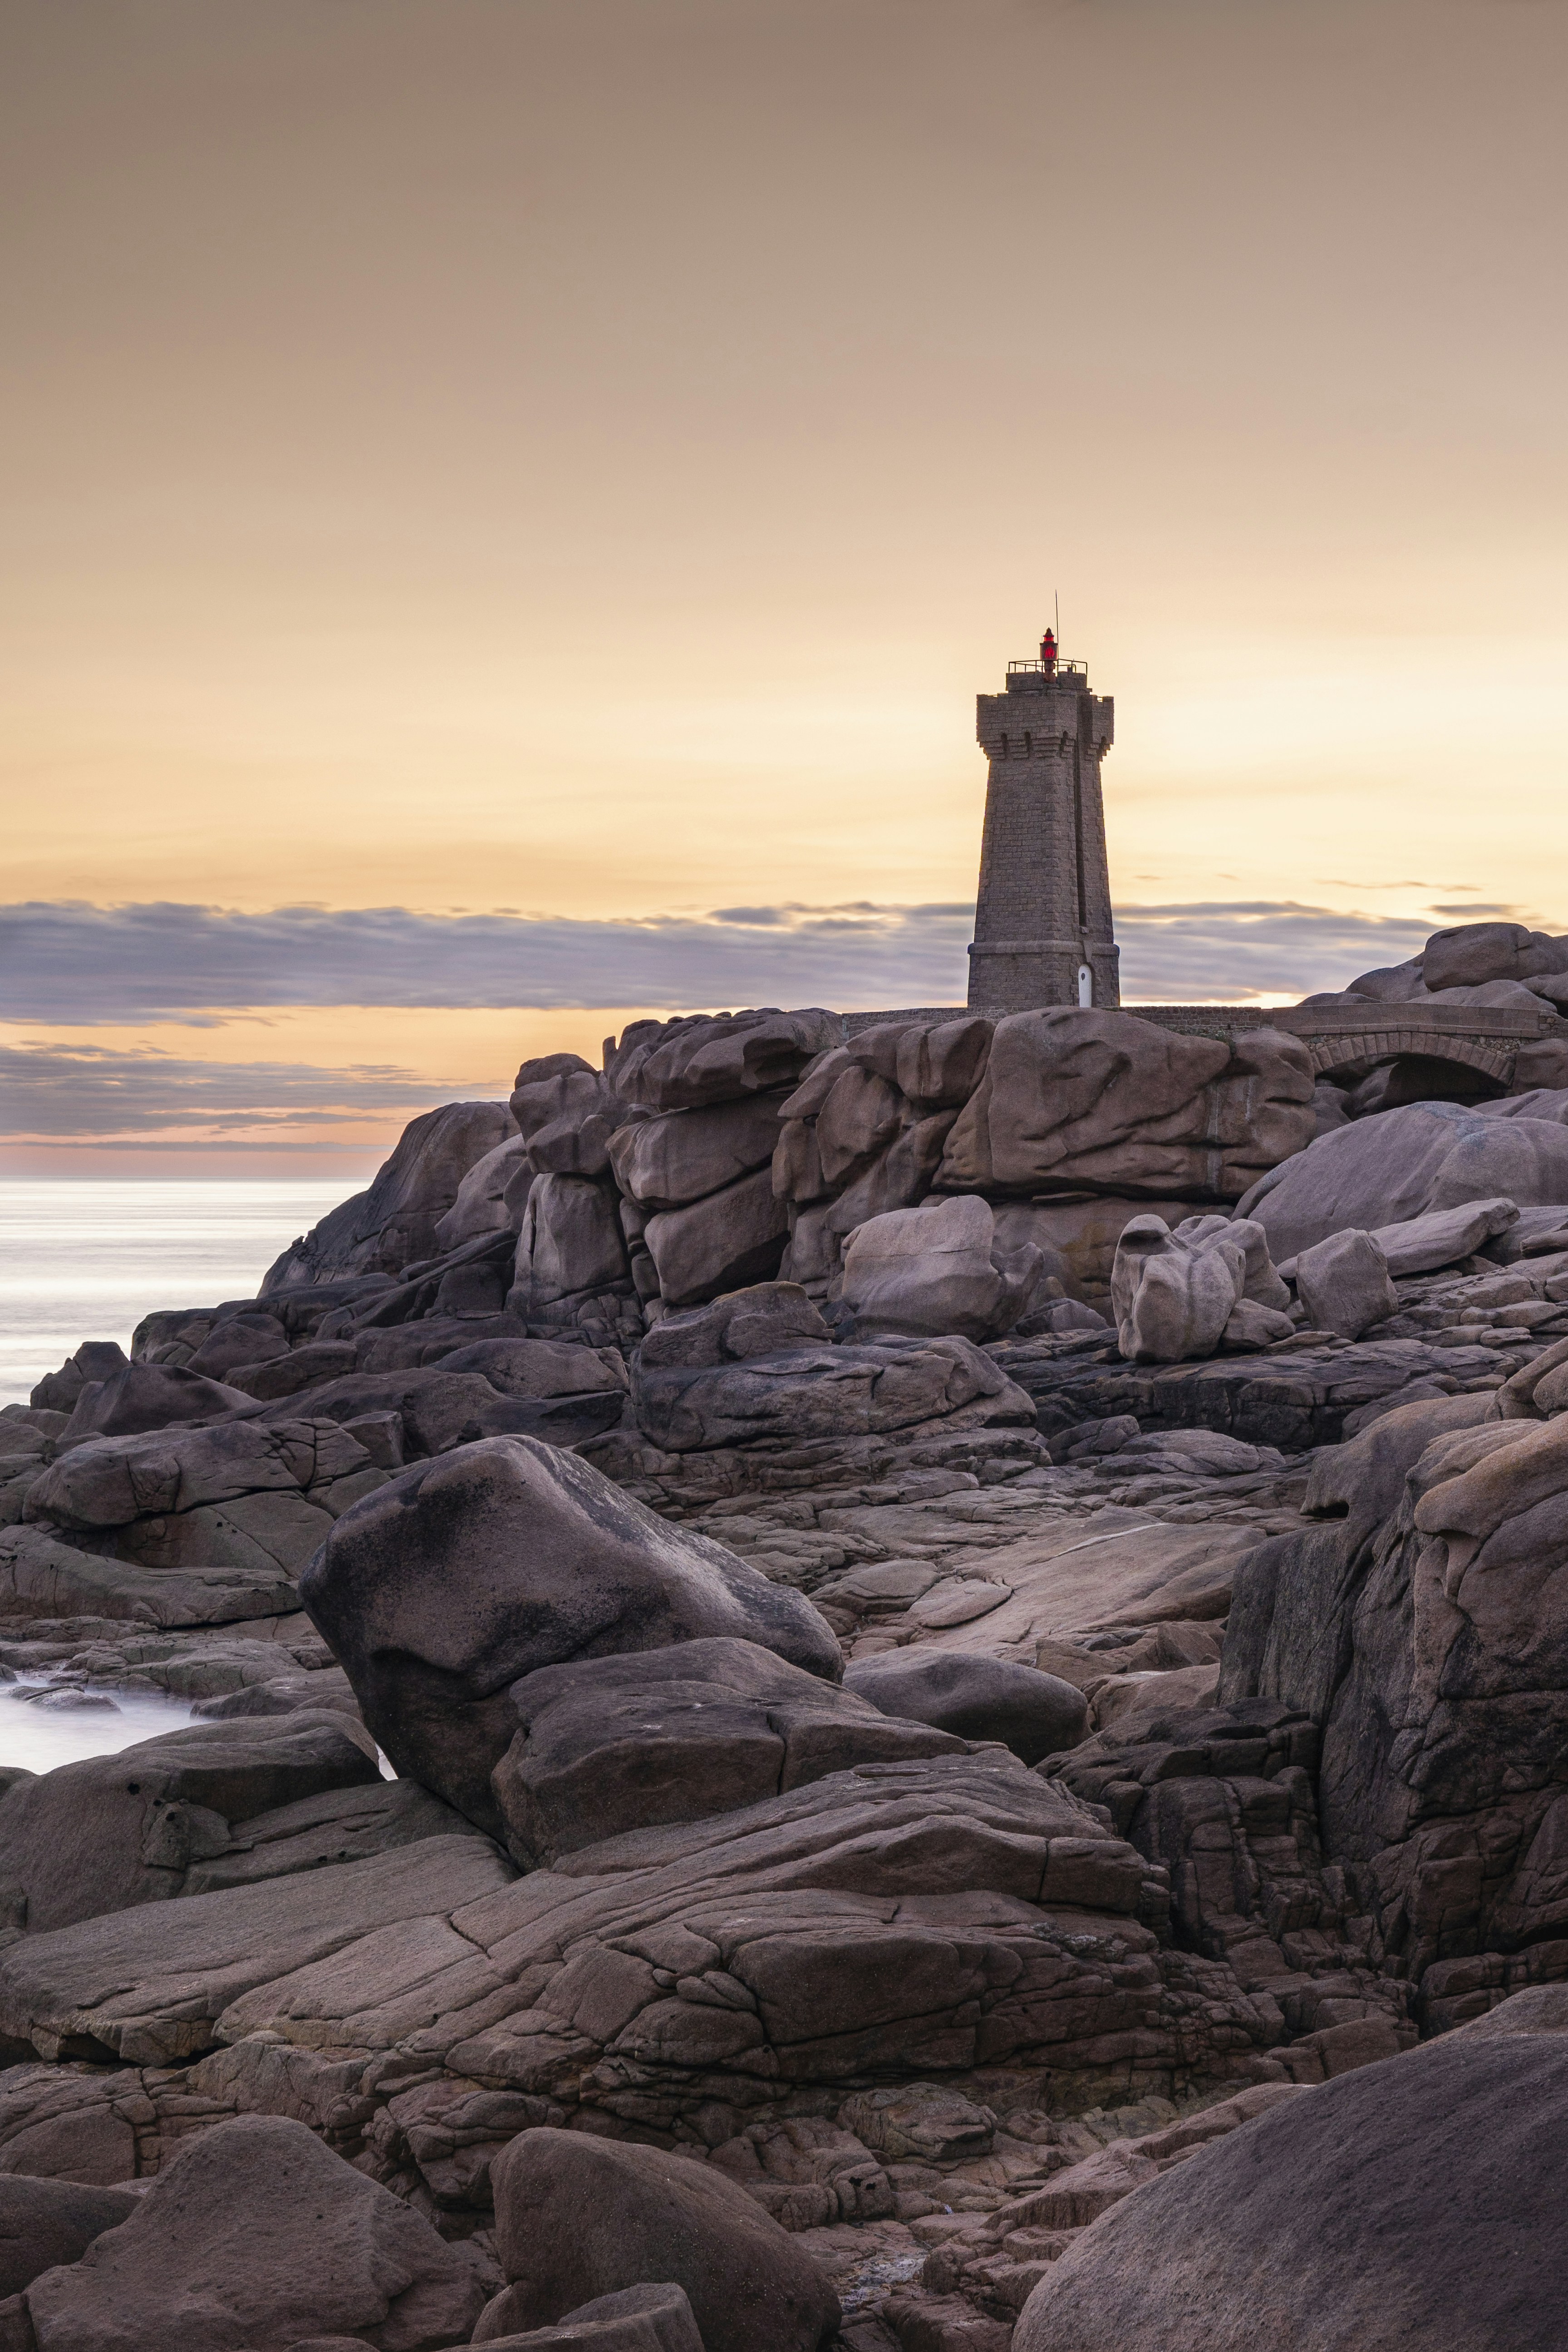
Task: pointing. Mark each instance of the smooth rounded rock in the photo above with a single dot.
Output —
(1034, 1714)
(47, 2222)
(578, 2216)
(1417, 2205)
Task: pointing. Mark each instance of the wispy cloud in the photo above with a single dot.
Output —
(74, 964)
(47, 1091)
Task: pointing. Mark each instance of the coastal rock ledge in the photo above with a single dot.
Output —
(856, 1686)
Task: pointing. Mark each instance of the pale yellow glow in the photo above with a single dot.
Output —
(586, 459)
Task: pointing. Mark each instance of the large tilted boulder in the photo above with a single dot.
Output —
(1403, 1164)
(606, 1745)
(388, 1227)
(1422, 2202)
(1101, 1101)
(936, 1270)
(468, 1573)
(257, 2235)
(577, 2217)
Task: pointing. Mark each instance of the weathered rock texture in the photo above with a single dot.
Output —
(382, 1230)
(260, 2236)
(458, 1577)
(1148, 1804)
(888, 1922)
(938, 1270)
(1183, 1294)
(1403, 1165)
(611, 1744)
(1423, 1632)
(1371, 2213)
(578, 2217)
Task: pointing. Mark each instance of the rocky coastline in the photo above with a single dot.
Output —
(968, 1617)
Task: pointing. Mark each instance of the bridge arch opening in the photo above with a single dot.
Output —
(1370, 1083)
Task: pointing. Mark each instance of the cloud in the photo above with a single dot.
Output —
(92, 1091)
(1231, 952)
(76, 964)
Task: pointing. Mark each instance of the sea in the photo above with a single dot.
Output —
(86, 1260)
(81, 1259)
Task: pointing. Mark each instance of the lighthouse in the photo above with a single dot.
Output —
(1042, 920)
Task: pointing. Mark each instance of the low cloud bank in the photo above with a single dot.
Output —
(51, 1091)
(72, 964)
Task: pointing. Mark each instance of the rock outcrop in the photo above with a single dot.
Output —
(917, 1805)
(385, 1229)
(260, 2236)
(461, 1576)
(1422, 1631)
(938, 1270)
(1370, 2213)
(1074, 1101)
(578, 2218)
(607, 1745)
(1183, 1294)
(1403, 1165)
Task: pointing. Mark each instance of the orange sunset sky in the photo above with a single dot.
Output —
(531, 489)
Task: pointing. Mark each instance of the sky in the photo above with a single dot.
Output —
(508, 505)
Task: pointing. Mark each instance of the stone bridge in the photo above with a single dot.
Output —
(1337, 1037)
(1344, 1036)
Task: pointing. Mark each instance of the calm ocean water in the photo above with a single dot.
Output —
(87, 1260)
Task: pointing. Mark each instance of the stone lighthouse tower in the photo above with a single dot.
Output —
(1042, 922)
